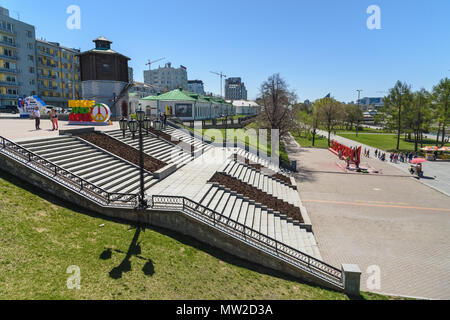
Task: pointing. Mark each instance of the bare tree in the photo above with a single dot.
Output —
(277, 101)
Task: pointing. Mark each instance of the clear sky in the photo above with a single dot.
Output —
(318, 46)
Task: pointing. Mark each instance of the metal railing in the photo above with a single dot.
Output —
(250, 236)
(66, 178)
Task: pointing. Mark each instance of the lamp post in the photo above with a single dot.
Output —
(134, 126)
(357, 114)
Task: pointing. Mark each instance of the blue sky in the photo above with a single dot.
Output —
(318, 46)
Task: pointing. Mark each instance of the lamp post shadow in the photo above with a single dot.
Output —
(125, 266)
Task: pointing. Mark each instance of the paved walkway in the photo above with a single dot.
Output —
(388, 220)
(21, 129)
(437, 173)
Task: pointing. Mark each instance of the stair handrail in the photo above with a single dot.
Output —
(53, 171)
(283, 251)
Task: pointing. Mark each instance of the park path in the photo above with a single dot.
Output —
(437, 174)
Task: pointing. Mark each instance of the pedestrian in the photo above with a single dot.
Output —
(165, 121)
(37, 119)
(410, 157)
(391, 157)
(54, 119)
(396, 158)
(368, 153)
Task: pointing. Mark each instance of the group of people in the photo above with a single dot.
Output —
(53, 118)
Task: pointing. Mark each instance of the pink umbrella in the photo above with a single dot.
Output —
(418, 160)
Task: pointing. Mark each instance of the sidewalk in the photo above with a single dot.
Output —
(437, 174)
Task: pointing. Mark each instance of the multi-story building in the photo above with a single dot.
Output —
(196, 86)
(235, 89)
(58, 73)
(369, 104)
(17, 59)
(168, 78)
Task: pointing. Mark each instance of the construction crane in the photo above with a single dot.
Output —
(222, 76)
(149, 64)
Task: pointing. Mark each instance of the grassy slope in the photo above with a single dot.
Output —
(41, 236)
(385, 142)
(307, 142)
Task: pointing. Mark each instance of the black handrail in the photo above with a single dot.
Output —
(281, 250)
(69, 179)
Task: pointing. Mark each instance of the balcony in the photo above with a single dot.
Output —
(5, 70)
(9, 84)
(9, 32)
(41, 76)
(9, 96)
(40, 53)
(47, 65)
(3, 56)
(8, 44)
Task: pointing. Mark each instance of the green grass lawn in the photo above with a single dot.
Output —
(306, 142)
(247, 136)
(385, 142)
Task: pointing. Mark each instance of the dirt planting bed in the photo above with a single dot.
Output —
(253, 193)
(261, 168)
(123, 151)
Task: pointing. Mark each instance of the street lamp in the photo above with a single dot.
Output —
(357, 114)
(134, 126)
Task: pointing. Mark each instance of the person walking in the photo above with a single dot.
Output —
(410, 157)
(54, 120)
(165, 121)
(37, 119)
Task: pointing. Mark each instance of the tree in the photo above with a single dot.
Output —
(330, 112)
(352, 114)
(441, 93)
(395, 103)
(277, 101)
(418, 114)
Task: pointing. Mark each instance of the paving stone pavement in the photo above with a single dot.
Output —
(437, 173)
(389, 220)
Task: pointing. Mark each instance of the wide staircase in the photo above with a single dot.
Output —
(254, 216)
(90, 163)
(185, 136)
(265, 183)
(155, 147)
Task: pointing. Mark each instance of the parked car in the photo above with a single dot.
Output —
(9, 109)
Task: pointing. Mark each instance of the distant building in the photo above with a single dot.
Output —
(235, 89)
(136, 92)
(130, 74)
(104, 76)
(17, 59)
(58, 73)
(368, 104)
(246, 108)
(167, 78)
(196, 86)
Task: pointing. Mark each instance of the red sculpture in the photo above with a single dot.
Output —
(345, 152)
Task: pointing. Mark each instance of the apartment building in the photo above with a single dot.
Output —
(235, 89)
(167, 78)
(17, 59)
(196, 86)
(58, 73)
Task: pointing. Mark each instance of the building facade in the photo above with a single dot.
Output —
(17, 59)
(368, 104)
(167, 78)
(235, 89)
(246, 108)
(58, 73)
(196, 86)
(104, 77)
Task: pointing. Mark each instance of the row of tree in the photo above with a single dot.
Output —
(405, 111)
(417, 112)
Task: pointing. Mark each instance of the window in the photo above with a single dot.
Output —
(30, 57)
(31, 70)
(29, 34)
(106, 68)
(30, 45)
